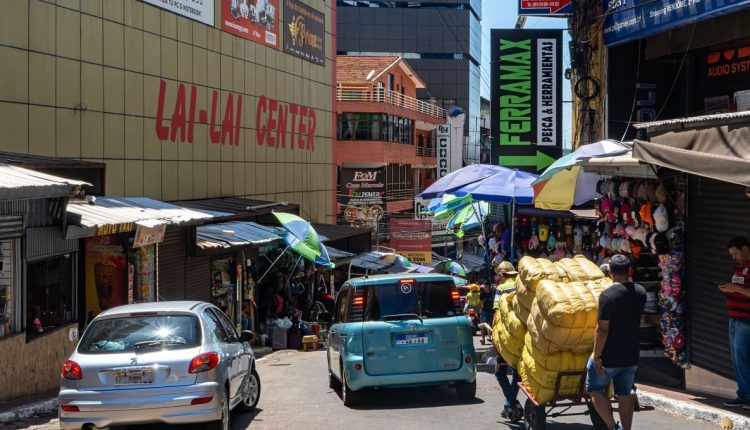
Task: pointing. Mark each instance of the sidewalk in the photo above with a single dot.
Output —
(46, 403)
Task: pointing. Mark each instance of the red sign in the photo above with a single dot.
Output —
(728, 62)
(276, 121)
(412, 238)
(544, 7)
(255, 20)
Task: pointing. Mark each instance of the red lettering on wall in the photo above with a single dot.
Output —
(270, 138)
(227, 125)
(178, 117)
(301, 128)
(191, 118)
(260, 125)
(213, 133)
(311, 122)
(162, 132)
(280, 135)
(276, 120)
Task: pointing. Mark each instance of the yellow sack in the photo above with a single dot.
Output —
(551, 339)
(568, 304)
(521, 312)
(572, 269)
(539, 372)
(508, 346)
(524, 294)
(531, 270)
(588, 266)
(508, 318)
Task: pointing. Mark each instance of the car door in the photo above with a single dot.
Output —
(334, 334)
(226, 349)
(239, 359)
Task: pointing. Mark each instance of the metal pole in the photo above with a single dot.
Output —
(486, 242)
(512, 231)
(272, 264)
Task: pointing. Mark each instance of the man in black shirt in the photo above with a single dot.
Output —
(616, 346)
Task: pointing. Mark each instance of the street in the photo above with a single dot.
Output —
(295, 395)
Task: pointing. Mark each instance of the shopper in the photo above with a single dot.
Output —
(616, 345)
(738, 303)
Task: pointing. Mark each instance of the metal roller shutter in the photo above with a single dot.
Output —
(717, 211)
(172, 263)
(198, 278)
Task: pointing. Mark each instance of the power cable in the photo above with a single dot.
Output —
(679, 70)
(635, 91)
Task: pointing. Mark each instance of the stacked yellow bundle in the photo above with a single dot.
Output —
(509, 332)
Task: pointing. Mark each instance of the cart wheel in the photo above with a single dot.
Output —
(517, 414)
(596, 419)
(534, 416)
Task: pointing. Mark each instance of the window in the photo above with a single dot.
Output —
(128, 334)
(50, 293)
(227, 325)
(426, 299)
(215, 332)
(342, 302)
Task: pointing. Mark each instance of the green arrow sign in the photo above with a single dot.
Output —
(540, 160)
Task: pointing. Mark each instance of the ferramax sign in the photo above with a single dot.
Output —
(526, 98)
(198, 10)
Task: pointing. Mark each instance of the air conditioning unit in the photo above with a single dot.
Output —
(742, 100)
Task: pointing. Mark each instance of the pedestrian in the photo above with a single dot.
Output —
(473, 300)
(616, 345)
(738, 304)
(505, 283)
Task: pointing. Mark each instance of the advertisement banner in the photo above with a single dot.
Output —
(526, 98)
(304, 32)
(443, 150)
(362, 186)
(255, 20)
(145, 236)
(627, 20)
(412, 238)
(105, 273)
(545, 7)
(145, 259)
(198, 10)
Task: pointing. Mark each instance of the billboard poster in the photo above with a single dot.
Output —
(526, 119)
(255, 20)
(545, 7)
(626, 20)
(412, 238)
(362, 186)
(443, 150)
(105, 273)
(197, 10)
(304, 32)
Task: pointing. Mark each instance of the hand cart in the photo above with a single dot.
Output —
(535, 414)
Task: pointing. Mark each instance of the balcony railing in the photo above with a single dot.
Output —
(424, 151)
(382, 95)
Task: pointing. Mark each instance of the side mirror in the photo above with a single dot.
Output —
(325, 317)
(246, 336)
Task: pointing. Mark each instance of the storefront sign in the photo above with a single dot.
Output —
(627, 20)
(545, 7)
(115, 228)
(145, 259)
(443, 150)
(278, 124)
(304, 32)
(526, 98)
(198, 10)
(728, 62)
(362, 186)
(105, 273)
(255, 20)
(412, 238)
(149, 235)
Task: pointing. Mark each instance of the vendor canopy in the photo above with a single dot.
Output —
(714, 146)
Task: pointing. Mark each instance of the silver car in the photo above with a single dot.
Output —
(164, 362)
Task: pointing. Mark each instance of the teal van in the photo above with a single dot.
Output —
(401, 330)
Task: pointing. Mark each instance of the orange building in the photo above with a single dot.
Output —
(385, 148)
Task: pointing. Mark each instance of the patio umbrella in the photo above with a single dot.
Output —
(454, 268)
(449, 206)
(460, 282)
(396, 259)
(565, 189)
(459, 178)
(324, 259)
(603, 148)
(302, 238)
(468, 217)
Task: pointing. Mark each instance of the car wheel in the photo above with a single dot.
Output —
(223, 422)
(349, 396)
(466, 390)
(250, 392)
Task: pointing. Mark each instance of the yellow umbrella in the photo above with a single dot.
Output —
(565, 189)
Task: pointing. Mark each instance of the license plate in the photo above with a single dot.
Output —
(145, 376)
(412, 339)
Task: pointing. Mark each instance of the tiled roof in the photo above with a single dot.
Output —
(356, 69)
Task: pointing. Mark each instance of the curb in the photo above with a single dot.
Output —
(25, 411)
(693, 411)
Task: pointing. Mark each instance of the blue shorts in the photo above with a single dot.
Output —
(621, 377)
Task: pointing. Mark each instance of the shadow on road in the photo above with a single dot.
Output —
(412, 398)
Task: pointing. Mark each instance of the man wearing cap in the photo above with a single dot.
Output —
(738, 303)
(616, 345)
(505, 281)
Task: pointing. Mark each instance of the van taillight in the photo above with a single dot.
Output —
(204, 362)
(71, 370)
(358, 306)
(456, 297)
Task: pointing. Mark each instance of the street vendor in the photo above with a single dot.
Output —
(505, 280)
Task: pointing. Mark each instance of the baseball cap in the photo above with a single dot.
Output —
(507, 268)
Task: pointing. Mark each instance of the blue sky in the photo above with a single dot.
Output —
(505, 17)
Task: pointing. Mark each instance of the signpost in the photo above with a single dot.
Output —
(545, 7)
(526, 98)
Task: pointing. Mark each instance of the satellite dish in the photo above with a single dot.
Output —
(370, 75)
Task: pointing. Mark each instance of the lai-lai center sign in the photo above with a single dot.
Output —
(278, 124)
(526, 98)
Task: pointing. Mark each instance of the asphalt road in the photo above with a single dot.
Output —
(295, 395)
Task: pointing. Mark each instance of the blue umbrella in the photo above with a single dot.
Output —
(507, 186)
(460, 178)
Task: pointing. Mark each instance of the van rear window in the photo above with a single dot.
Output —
(425, 299)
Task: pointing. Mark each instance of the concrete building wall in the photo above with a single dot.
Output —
(149, 93)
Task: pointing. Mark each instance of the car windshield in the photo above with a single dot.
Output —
(133, 333)
(423, 299)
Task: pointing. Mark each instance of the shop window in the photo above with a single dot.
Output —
(50, 294)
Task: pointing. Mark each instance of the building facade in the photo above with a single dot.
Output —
(180, 103)
(440, 39)
(386, 149)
